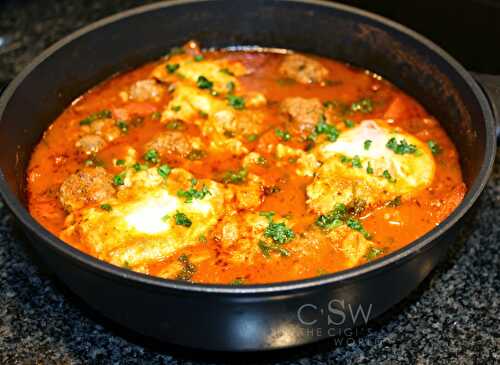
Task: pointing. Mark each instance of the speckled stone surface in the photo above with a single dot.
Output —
(452, 318)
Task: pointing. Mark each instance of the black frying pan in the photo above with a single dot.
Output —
(254, 317)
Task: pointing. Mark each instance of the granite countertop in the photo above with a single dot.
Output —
(452, 318)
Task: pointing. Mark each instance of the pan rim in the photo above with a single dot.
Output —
(395, 258)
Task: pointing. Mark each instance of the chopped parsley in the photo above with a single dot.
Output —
(349, 123)
(176, 108)
(172, 67)
(164, 170)
(152, 156)
(196, 154)
(119, 179)
(198, 58)
(252, 137)
(356, 162)
(102, 114)
(283, 134)
(388, 176)
(373, 253)
(120, 162)
(139, 167)
(175, 124)
(237, 102)
(402, 147)
(235, 177)
(204, 83)
(279, 232)
(238, 281)
(182, 220)
(363, 106)
(333, 219)
(357, 226)
(396, 202)
(188, 268)
(435, 148)
(369, 169)
(156, 115)
(192, 193)
(269, 215)
(226, 71)
(367, 144)
(202, 238)
(267, 248)
(122, 125)
(341, 215)
(330, 131)
(230, 86)
(106, 207)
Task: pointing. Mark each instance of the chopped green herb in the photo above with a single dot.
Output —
(279, 232)
(226, 71)
(252, 137)
(196, 154)
(202, 114)
(388, 176)
(164, 170)
(165, 218)
(102, 114)
(373, 253)
(152, 156)
(120, 162)
(119, 179)
(204, 83)
(122, 125)
(369, 169)
(267, 248)
(198, 58)
(188, 268)
(348, 123)
(396, 202)
(333, 219)
(238, 281)
(329, 130)
(106, 207)
(356, 162)
(192, 193)
(172, 67)
(156, 115)
(202, 238)
(175, 124)
(235, 177)
(237, 102)
(363, 106)
(435, 148)
(230, 86)
(357, 226)
(269, 215)
(261, 160)
(139, 167)
(367, 144)
(402, 147)
(176, 108)
(284, 135)
(345, 159)
(182, 220)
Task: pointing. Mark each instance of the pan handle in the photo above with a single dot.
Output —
(491, 86)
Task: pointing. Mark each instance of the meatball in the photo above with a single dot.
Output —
(105, 128)
(90, 144)
(87, 186)
(238, 123)
(304, 113)
(171, 142)
(143, 90)
(303, 69)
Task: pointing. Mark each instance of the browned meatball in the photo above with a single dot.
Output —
(87, 186)
(171, 142)
(303, 69)
(90, 144)
(304, 113)
(238, 123)
(106, 128)
(146, 90)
